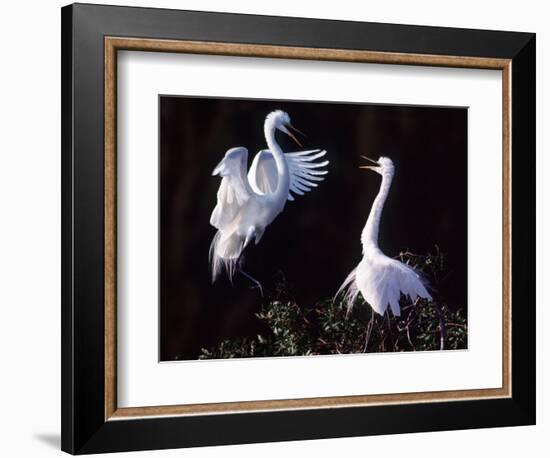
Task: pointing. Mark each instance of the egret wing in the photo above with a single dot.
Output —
(305, 171)
(234, 190)
(263, 176)
(382, 280)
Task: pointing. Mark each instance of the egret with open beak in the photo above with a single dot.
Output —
(376, 167)
(285, 128)
(248, 202)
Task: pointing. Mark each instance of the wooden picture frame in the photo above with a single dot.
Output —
(91, 37)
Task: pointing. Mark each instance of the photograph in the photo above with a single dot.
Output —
(305, 228)
(279, 227)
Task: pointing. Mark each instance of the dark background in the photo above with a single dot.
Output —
(315, 242)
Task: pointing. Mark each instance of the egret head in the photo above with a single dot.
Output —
(280, 120)
(383, 166)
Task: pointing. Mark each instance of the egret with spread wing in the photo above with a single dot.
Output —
(381, 280)
(247, 204)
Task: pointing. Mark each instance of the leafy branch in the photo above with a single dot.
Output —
(323, 328)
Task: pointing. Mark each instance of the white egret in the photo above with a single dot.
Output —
(380, 279)
(246, 205)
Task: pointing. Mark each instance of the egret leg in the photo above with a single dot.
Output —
(390, 333)
(369, 331)
(257, 284)
(249, 236)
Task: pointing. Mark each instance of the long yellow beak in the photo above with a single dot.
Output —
(291, 135)
(296, 130)
(371, 167)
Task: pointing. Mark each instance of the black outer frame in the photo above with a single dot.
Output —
(84, 429)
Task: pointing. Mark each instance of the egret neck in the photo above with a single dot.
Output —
(369, 237)
(283, 183)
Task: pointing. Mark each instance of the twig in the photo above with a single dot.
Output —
(409, 338)
(442, 328)
(455, 325)
(410, 318)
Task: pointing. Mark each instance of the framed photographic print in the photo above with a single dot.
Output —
(281, 228)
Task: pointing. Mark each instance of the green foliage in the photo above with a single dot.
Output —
(326, 327)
